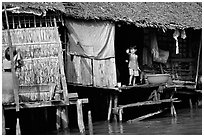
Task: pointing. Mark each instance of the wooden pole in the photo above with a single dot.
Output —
(15, 85)
(3, 123)
(110, 107)
(190, 103)
(92, 67)
(115, 105)
(80, 117)
(162, 71)
(145, 116)
(58, 118)
(90, 123)
(64, 116)
(198, 61)
(61, 66)
(121, 115)
(173, 110)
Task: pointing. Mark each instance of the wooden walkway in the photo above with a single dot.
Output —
(62, 120)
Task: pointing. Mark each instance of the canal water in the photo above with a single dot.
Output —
(188, 122)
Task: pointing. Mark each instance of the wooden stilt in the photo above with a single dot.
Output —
(58, 118)
(190, 103)
(110, 108)
(115, 105)
(64, 117)
(18, 129)
(120, 115)
(173, 110)
(80, 117)
(90, 123)
(3, 123)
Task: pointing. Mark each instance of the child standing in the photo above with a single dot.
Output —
(133, 65)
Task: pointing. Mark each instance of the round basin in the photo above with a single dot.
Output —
(157, 78)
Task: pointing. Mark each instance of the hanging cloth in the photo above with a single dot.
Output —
(183, 34)
(91, 39)
(175, 36)
(158, 54)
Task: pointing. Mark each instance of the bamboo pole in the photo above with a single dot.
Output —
(92, 67)
(61, 66)
(34, 21)
(145, 116)
(64, 117)
(110, 108)
(90, 123)
(15, 86)
(120, 115)
(80, 117)
(19, 22)
(173, 110)
(58, 118)
(115, 105)
(13, 22)
(198, 61)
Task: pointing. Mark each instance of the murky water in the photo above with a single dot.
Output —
(188, 122)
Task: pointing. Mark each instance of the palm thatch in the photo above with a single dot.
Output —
(166, 15)
(37, 8)
(169, 15)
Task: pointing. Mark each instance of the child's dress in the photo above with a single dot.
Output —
(133, 65)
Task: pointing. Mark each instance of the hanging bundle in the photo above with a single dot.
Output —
(183, 34)
(175, 36)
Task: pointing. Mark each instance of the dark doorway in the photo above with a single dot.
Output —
(126, 35)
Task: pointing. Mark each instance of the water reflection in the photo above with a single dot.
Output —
(114, 128)
(174, 120)
(187, 122)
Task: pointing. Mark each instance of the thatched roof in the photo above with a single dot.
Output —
(164, 15)
(142, 14)
(37, 8)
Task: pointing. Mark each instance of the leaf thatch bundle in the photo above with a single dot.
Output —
(142, 14)
(169, 15)
(37, 8)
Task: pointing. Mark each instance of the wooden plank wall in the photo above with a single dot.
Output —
(105, 73)
(80, 71)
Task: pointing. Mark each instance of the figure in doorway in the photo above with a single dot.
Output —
(133, 65)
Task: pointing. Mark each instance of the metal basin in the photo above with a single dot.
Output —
(157, 78)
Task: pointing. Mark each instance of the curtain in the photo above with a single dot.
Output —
(91, 39)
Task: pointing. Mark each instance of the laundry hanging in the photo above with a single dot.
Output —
(175, 36)
(158, 54)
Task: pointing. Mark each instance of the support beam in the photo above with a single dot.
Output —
(64, 118)
(173, 110)
(110, 107)
(80, 117)
(90, 123)
(115, 106)
(120, 115)
(58, 118)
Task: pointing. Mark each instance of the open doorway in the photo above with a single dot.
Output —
(126, 35)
